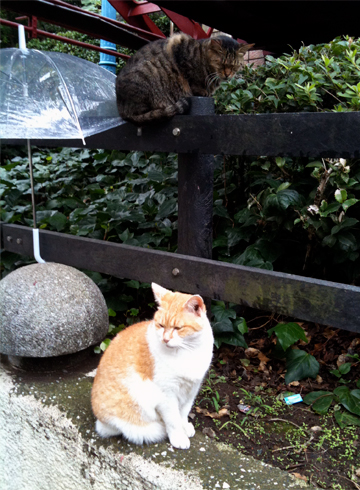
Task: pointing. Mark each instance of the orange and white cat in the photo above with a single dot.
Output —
(151, 372)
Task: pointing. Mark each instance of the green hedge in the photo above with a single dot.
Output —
(295, 215)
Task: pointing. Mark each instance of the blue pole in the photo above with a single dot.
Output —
(107, 61)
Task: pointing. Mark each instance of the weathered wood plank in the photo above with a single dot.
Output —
(195, 196)
(291, 134)
(308, 299)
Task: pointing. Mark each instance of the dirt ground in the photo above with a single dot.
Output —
(293, 438)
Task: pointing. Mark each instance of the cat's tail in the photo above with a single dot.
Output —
(180, 107)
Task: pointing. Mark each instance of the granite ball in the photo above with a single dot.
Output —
(50, 310)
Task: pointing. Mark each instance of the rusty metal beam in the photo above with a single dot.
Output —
(81, 21)
(65, 39)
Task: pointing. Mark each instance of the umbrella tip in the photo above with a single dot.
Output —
(21, 34)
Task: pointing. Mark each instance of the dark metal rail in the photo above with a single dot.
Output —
(292, 134)
(324, 302)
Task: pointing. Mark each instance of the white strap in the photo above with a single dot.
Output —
(36, 244)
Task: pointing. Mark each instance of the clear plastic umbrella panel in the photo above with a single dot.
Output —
(48, 95)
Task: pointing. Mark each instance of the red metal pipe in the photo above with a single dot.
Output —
(129, 27)
(66, 40)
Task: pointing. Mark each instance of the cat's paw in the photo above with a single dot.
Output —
(179, 440)
(189, 429)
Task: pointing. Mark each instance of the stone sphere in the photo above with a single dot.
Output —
(50, 310)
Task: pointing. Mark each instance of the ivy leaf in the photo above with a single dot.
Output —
(58, 221)
(155, 175)
(345, 368)
(105, 344)
(300, 365)
(349, 399)
(320, 401)
(346, 418)
(222, 313)
(168, 207)
(234, 338)
(288, 334)
(242, 326)
(133, 284)
(280, 162)
(225, 326)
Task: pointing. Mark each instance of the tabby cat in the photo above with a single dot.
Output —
(157, 80)
(151, 372)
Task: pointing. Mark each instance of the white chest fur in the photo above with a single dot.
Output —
(185, 364)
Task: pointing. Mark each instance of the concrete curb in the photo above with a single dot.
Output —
(49, 443)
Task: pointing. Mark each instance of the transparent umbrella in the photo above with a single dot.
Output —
(49, 95)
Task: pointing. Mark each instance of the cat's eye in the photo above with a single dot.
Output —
(161, 326)
(177, 328)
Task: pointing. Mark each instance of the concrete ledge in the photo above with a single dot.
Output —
(48, 442)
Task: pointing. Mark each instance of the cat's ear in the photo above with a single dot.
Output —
(159, 292)
(245, 47)
(195, 305)
(215, 43)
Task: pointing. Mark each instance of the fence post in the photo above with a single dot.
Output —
(195, 199)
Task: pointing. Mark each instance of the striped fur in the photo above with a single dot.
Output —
(158, 79)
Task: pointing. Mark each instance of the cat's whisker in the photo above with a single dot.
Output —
(210, 79)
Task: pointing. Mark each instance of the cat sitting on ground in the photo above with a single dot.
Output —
(156, 81)
(151, 372)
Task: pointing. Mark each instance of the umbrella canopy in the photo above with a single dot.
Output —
(49, 95)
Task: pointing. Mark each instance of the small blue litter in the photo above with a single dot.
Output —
(290, 400)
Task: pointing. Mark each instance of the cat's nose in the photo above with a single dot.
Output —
(166, 340)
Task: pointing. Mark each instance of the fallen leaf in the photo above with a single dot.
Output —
(262, 367)
(262, 358)
(301, 477)
(317, 348)
(245, 362)
(316, 428)
(319, 379)
(357, 472)
(214, 415)
(251, 352)
(302, 342)
(243, 408)
(354, 344)
(259, 344)
(329, 333)
(329, 356)
(209, 432)
(341, 360)
(294, 383)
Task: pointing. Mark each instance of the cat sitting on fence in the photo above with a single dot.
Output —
(151, 372)
(156, 82)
